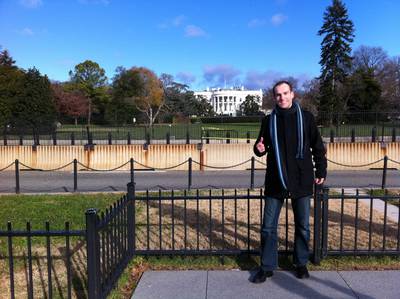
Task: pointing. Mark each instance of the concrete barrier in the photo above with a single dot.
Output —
(164, 156)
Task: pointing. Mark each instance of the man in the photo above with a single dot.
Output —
(291, 139)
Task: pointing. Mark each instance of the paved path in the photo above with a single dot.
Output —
(235, 284)
(50, 182)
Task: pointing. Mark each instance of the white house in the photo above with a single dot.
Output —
(227, 100)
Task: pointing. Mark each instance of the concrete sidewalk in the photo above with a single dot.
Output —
(235, 284)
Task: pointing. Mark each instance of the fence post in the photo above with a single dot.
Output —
(187, 137)
(252, 173)
(190, 174)
(385, 160)
(332, 136)
(16, 176)
(54, 137)
(373, 137)
(21, 140)
(168, 138)
(317, 225)
(132, 171)
(228, 137)
(207, 137)
(5, 138)
(383, 132)
(72, 138)
(109, 138)
(75, 175)
(353, 135)
(248, 137)
(393, 134)
(93, 254)
(131, 221)
(325, 209)
(129, 138)
(147, 138)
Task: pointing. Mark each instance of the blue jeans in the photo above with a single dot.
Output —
(269, 234)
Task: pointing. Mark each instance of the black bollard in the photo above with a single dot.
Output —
(385, 160)
(190, 174)
(75, 175)
(17, 189)
(132, 170)
(252, 173)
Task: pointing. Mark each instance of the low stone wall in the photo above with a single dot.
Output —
(164, 156)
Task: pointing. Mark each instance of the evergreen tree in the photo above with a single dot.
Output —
(34, 107)
(10, 76)
(6, 59)
(338, 32)
(250, 106)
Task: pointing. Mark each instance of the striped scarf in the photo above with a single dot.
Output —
(274, 138)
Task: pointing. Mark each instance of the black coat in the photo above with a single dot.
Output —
(300, 172)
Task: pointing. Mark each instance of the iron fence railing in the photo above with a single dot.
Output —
(334, 127)
(222, 222)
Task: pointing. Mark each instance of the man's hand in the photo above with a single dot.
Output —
(260, 146)
(319, 181)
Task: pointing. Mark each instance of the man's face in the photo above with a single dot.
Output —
(283, 96)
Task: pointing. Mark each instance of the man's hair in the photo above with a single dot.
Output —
(280, 83)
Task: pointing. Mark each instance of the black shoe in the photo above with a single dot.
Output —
(302, 272)
(261, 276)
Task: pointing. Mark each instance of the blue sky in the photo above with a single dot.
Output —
(201, 43)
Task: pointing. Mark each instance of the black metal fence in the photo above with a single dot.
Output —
(39, 262)
(334, 127)
(223, 222)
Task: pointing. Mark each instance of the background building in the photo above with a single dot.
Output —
(227, 100)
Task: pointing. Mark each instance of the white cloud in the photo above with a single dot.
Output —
(178, 20)
(278, 19)
(221, 75)
(31, 3)
(194, 31)
(256, 23)
(186, 77)
(257, 80)
(174, 22)
(26, 32)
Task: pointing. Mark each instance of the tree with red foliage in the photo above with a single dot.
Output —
(71, 103)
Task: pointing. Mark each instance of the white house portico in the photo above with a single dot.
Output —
(227, 100)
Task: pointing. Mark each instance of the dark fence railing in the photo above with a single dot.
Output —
(334, 127)
(223, 222)
(360, 224)
(42, 262)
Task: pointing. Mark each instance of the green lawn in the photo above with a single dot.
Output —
(57, 209)
(380, 192)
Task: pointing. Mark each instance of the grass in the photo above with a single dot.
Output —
(57, 209)
(392, 192)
